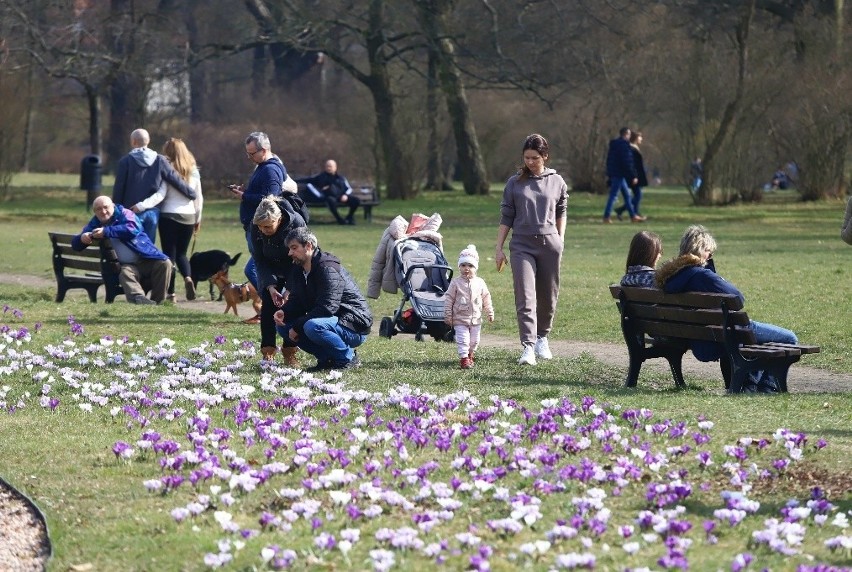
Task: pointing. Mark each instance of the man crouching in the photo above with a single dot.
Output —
(325, 314)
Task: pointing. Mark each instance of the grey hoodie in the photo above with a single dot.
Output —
(532, 205)
(139, 175)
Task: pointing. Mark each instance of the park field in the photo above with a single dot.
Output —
(152, 439)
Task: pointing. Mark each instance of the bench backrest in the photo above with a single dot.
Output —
(97, 258)
(691, 315)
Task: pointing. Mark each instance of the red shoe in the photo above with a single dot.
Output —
(466, 363)
(255, 320)
(638, 218)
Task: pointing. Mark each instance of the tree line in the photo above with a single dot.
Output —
(418, 94)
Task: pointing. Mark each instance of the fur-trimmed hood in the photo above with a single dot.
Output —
(673, 266)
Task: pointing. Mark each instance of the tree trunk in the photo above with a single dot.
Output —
(435, 176)
(197, 73)
(705, 192)
(434, 14)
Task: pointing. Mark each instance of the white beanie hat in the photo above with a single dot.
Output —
(470, 256)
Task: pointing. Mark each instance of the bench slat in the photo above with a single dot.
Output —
(695, 299)
(702, 316)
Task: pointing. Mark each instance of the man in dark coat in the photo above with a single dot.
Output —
(333, 188)
(622, 174)
(325, 314)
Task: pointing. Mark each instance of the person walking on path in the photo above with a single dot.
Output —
(641, 176)
(622, 175)
(466, 302)
(180, 217)
(535, 208)
(139, 175)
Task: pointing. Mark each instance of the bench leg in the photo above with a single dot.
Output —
(93, 293)
(368, 213)
(676, 365)
(633, 371)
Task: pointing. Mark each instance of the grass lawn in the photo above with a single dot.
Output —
(154, 441)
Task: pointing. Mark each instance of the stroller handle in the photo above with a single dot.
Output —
(414, 267)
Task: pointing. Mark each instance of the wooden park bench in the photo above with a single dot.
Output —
(87, 269)
(660, 325)
(367, 193)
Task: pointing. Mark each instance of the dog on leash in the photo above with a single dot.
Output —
(204, 265)
(235, 294)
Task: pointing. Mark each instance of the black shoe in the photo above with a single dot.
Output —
(618, 213)
(351, 364)
(350, 220)
(342, 221)
(141, 300)
(323, 365)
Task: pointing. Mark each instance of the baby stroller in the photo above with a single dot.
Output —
(424, 276)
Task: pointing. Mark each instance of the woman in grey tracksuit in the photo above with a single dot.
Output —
(535, 208)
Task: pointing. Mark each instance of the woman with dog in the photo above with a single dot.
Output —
(273, 219)
(180, 217)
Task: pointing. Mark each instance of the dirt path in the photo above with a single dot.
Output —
(802, 379)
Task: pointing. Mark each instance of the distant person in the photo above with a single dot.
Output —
(535, 208)
(780, 180)
(645, 251)
(143, 267)
(846, 229)
(139, 175)
(180, 217)
(696, 175)
(325, 313)
(622, 175)
(694, 271)
(466, 303)
(332, 188)
(266, 179)
(641, 176)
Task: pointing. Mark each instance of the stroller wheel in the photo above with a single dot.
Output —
(386, 327)
(418, 336)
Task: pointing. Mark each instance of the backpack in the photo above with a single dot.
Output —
(297, 204)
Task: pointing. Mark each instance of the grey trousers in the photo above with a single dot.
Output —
(535, 261)
(147, 274)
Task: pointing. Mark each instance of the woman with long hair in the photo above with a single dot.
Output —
(535, 209)
(180, 217)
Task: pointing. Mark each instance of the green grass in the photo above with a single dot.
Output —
(784, 255)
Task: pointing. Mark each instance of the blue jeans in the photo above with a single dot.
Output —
(251, 265)
(765, 333)
(149, 220)
(618, 184)
(326, 339)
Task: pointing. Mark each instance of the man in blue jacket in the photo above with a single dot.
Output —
(139, 175)
(143, 267)
(325, 313)
(621, 173)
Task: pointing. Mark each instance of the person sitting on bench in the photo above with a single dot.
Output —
(694, 271)
(332, 188)
(143, 267)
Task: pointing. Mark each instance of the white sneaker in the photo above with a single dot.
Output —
(542, 349)
(527, 356)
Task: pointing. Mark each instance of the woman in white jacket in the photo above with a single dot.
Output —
(180, 217)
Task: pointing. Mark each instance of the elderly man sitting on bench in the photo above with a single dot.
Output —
(143, 267)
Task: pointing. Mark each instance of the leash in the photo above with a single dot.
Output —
(194, 238)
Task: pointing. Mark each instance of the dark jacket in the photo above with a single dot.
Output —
(329, 185)
(619, 160)
(328, 290)
(270, 252)
(266, 179)
(639, 165)
(686, 274)
(123, 226)
(139, 175)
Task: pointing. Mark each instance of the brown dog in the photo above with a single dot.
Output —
(235, 293)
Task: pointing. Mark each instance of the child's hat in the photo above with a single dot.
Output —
(469, 256)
